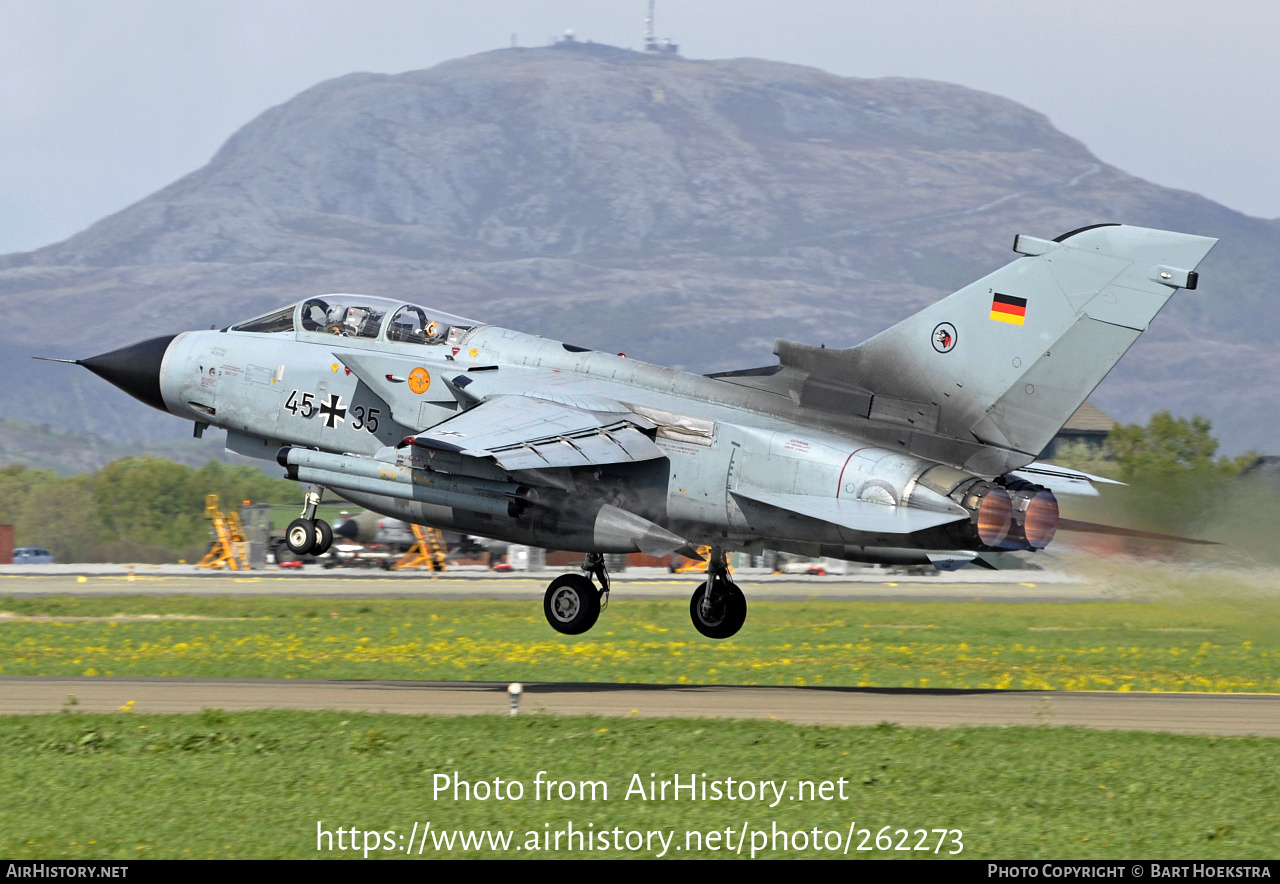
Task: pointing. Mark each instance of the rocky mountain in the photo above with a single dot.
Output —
(685, 212)
(42, 447)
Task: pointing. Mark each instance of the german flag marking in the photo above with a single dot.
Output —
(1007, 308)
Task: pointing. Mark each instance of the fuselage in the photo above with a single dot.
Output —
(271, 385)
(915, 446)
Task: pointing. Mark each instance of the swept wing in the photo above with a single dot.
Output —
(525, 433)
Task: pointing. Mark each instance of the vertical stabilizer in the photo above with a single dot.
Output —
(1006, 360)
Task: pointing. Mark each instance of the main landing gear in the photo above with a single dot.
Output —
(309, 535)
(572, 602)
(718, 608)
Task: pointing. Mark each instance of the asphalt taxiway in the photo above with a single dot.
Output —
(1217, 714)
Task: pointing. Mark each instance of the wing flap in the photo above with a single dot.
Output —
(856, 515)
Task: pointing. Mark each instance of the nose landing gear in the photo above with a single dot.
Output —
(572, 603)
(309, 535)
(718, 607)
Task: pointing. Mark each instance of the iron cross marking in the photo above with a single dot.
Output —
(332, 411)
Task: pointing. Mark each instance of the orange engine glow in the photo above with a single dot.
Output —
(994, 516)
(1042, 519)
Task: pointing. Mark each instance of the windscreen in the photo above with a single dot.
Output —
(277, 321)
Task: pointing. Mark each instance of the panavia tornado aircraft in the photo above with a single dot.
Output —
(916, 446)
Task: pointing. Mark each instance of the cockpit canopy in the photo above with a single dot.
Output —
(360, 316)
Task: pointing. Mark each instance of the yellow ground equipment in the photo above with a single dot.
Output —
(698, 565)
(229, 548)
(428, 552)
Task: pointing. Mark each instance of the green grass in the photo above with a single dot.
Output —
(1192, 642)
(132, 786)
(256, 784)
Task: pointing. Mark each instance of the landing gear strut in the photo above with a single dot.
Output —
(572, 603)
(309, 535)
(718, 608)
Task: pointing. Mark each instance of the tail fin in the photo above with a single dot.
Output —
(1007, 360)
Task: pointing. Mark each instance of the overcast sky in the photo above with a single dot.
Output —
(102, 103)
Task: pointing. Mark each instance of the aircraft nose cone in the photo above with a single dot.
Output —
(134, 369)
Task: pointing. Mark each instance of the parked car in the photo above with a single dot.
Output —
(32, 555)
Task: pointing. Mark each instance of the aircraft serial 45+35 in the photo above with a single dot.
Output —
(916, 446)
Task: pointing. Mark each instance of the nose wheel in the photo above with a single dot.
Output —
(572, 603)
(309, 535)
(718, 608)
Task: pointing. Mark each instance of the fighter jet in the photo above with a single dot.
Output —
(916, 446)
(371, 527)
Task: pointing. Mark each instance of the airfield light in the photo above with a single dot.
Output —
(514, 690)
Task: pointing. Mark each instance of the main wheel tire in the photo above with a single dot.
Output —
(572, 604)
(721, 619)
(324, 538)
(300, 537)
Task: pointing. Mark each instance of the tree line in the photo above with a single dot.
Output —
(152, 510)
(1177, 483)
(132, 510)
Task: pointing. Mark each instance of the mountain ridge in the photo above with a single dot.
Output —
(686, 212)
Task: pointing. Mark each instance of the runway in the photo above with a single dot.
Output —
(1018, 586)
(1211, 714)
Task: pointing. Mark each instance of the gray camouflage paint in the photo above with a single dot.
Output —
(862, 453)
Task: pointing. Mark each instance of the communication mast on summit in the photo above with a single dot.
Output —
(651, 43)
